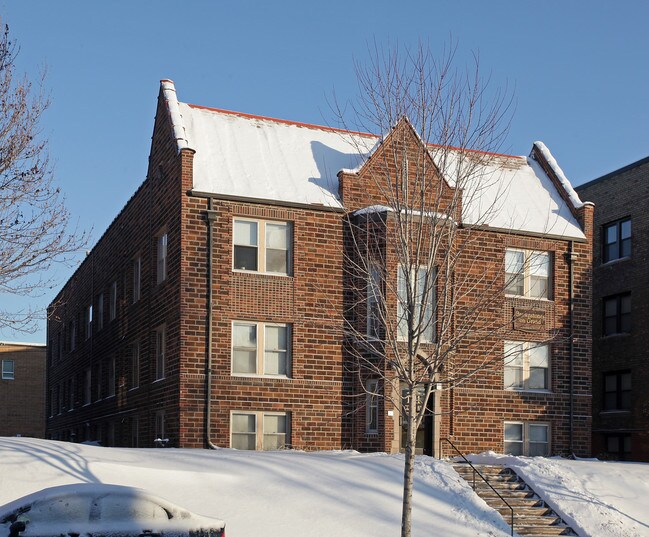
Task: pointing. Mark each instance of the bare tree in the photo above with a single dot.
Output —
(426, 301)
(33, 218)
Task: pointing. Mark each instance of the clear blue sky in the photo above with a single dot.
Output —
(579, 71)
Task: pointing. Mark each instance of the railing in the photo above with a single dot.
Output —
(477, 472)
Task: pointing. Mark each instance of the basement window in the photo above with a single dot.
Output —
(528, 439)
(259, 430)
(8, 370)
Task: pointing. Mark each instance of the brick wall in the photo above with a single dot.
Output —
(619, 195)
(22, 399)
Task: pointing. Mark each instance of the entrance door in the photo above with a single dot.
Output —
(425, 432)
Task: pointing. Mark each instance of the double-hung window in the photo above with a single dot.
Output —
(111, 377)
(417, 287)
(529, 439)
(617, 314)
(372, 406)
(8, 370)
(527, 366)
(134, 380)
(261, 348)
(262, 246)
(374, 300)
(617, 240)
(87, 386)
(162, 257)
(89, 321)
(100, 311)
(259, 430)
(617, 391)
(527, 273)
(73, 335)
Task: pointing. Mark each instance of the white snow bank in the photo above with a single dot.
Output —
(596, 498)
(572, 194)
(287, 493)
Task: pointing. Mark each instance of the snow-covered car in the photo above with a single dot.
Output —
(102, 510)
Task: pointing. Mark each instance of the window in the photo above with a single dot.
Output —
(260, 348)
(72, 394)
(8, 370)
(60, 338)
(529, 439)
(617, 314)
(73, 335)
(527, 366)
(421, 284)
(162, 258)
(135, 367)
(87, 386)
(137, 277)
(89, 321)
(262, 246)
(616, 240)
(259, 430)
(618, 446)
(372, 406)
(617, 390)
(374, 301)
(160, 348)
(135, 431)
(100, 311)
(98, 380)
(527, 273)
(111, 377)
(112, 307)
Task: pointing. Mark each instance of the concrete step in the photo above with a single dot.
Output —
(532, 517)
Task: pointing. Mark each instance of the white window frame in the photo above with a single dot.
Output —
(261, 245)
(160, 346)
(137, 279)
(259, 427)
(162, 254)
(525, 442)
(260, 349)
(112, 306)
(372, 406)
(529, 257)
(374, 300)
(8, 373)
(159, 426)
(89, 313)
(526, 349)
(428, 335)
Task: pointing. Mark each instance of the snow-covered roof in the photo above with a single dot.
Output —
(246, 156)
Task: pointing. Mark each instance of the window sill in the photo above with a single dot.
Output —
(524, 390)
(614, 336)
(372, 433)
(614, 412)
(158, 380)
(261, 273)
(260, 376)
(615, 261)
(536, 299)
(133, 388)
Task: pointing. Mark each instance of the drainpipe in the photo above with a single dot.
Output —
(210, 215)
(572, 257)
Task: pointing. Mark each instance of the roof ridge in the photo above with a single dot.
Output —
(334, 129)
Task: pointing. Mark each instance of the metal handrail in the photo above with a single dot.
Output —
(476, 471)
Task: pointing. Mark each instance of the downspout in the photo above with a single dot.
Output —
(572, 256)
(210, 215)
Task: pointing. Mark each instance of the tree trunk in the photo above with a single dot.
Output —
(408, 467)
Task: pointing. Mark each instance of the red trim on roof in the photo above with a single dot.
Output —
(332, 129)
(286, 121)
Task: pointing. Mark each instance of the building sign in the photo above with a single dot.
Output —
(529, 319)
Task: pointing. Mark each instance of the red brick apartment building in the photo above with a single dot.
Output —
(206, 315)
(22, 389)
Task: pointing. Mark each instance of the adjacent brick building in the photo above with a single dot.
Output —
(620, 314)
(22, 389)
(210, 311)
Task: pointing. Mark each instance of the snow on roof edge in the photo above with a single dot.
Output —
(171, 99)
(565, 183)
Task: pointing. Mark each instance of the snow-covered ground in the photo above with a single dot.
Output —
(292, 493)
